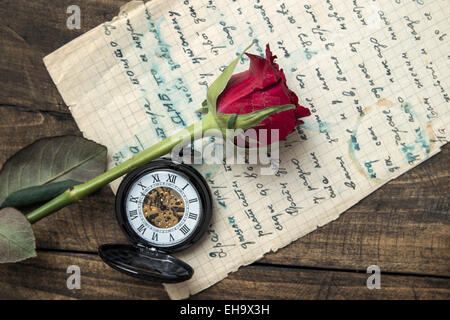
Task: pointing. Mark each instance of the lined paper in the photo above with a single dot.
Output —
(373, 73)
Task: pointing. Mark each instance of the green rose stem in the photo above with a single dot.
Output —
(159, 149)
(210, 121)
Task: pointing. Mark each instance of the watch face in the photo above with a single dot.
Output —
(164, 205)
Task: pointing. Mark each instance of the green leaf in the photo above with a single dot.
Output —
(16, 237)
(47, 161)
(37, 194)
(221, 82)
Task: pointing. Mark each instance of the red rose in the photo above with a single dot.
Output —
(263, 85)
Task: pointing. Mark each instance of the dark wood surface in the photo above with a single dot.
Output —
(402, 227)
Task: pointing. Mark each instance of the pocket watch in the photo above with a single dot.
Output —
(163, 207)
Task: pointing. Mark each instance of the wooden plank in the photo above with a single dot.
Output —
(25, 81)
(21, 126)
(45, 277)
(407, 231)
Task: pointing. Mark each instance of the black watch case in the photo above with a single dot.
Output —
(144, 259)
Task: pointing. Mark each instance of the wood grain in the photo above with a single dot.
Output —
(30, 279)
(30, 30)
(403, 227)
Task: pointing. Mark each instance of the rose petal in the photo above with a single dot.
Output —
(263, 85)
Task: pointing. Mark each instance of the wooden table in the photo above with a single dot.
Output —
(403, 227)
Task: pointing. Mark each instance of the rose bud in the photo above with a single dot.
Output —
(257, 98)
(261, 86)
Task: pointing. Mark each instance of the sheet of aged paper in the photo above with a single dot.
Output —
(373, 73)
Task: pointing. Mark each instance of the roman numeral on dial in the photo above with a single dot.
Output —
(193, 200)
(193, 216)
(142, 186)
(133, 214)
(185, 229)
(142, 229)
(155, 178)
(155, 236)
(171, 178)
(134, 199)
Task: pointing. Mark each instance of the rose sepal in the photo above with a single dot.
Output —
(247, 120)
(217, 87)
(212, 120)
